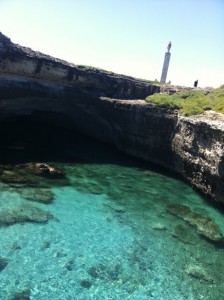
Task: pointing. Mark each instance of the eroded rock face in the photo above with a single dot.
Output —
(198, 145)
(25, 62)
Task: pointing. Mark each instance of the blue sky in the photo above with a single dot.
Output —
(125, 36)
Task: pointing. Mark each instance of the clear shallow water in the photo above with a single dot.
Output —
(111, 238)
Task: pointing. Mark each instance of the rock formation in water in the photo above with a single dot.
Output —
(204, 225)
(102, 105)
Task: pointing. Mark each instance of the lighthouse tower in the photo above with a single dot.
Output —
(166, 64)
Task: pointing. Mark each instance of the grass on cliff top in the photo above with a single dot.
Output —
(191, 103)
(84, 67)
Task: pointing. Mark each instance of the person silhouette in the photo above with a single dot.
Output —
(196, 83)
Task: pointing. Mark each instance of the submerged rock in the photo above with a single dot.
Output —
(158, 226)
(97, 271)
(182, 233)
(85, 284)
(199, 273)
(43, 195)
(22, 295)
(46, 244)
(16, 246)
(5, 167)
(203, 224)
(24, 213)
(3, 263)
(32, 181)
(103, 272)
(69, 265)
(11, 177)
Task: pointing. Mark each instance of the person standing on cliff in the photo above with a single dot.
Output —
(196, 83)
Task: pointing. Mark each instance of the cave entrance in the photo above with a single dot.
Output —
(44, 136)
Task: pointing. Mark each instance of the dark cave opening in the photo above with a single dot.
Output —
(44, 136)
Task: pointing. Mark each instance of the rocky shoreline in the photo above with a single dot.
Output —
(110, 107)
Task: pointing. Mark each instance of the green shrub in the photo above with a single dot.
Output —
(192, 102)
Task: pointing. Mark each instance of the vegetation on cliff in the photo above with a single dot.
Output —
(191, 102)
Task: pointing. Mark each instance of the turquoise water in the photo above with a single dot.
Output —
(110, 237)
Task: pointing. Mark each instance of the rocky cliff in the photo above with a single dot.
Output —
(198, 146)
(22, 61)
(90, 101)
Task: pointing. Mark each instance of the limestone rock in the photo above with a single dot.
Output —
(199, 152)
(172, 89)
(203, 224)
(25, 62)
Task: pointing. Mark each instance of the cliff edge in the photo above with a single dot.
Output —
(110, 107)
